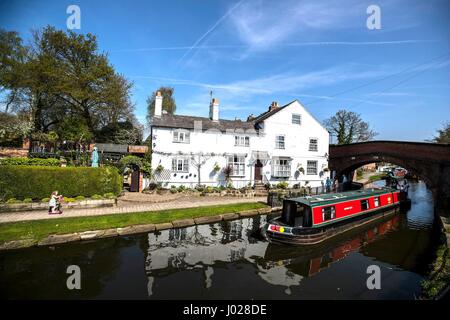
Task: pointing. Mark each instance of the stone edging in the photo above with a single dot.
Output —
(143, 228)
(83, 204)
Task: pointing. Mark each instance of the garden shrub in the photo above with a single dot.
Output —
(79, 198)
(109, 195)
(282, 185)
(27, 200)
(66, 199)
(39, 182)
(50, 162)
(130, 162)
(45, 199)
(13, 200)
(200, 188)
(96, 197)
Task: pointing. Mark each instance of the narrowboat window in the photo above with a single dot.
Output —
(376, 201)
(299, 216)
(328, 213)
(364, 204)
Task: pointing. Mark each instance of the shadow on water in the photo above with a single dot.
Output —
(229, 260)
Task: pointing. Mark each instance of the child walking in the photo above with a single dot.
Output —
(54, 205)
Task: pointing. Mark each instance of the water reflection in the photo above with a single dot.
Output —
(204, 247)
(231, 260)
(201, 247)
(400, 242)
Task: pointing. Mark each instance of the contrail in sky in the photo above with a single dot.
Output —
(218, 22)
(292, 44)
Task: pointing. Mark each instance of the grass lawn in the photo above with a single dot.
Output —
(39, 229)
(377, 177)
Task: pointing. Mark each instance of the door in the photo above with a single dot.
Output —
(135, 176)
(258, 170)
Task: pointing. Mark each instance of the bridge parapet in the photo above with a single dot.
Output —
(429, 161)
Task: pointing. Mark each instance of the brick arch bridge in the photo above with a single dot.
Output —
(429, 161)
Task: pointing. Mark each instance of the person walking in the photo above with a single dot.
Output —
(328, 185)
(54, 205)
(52, 202)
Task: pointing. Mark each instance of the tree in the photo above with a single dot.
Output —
(65, 85)
(168, 104)
(198, 160)
(348, 127)
(126, 132)
(443, 135)
(13, 128)
(12, 57)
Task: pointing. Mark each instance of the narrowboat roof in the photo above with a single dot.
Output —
(330, 198)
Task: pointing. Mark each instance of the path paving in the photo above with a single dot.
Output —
(144, 206)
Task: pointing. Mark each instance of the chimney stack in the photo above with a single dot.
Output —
(273, 106)
(214, 110)
(158, 104)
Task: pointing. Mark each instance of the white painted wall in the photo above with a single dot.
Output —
(296, 143)
(296, 147)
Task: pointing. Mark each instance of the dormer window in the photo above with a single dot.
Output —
(181, 136)
(241, 141)
(296, 118)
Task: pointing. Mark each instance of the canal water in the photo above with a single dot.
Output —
(229, 260)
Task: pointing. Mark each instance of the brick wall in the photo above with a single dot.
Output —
(13, 152)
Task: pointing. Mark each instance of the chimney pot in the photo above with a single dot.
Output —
(158, 104)
(214, 109)
(273, 106)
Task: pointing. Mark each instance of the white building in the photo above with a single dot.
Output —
(282, 144)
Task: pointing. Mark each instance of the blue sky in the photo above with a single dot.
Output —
(252, 52)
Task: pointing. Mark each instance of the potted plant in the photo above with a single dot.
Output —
(159, 168)
(216, 168)
(300, 169)
(227, 171)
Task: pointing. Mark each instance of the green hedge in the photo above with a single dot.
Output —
(39, 182)
(30, 162)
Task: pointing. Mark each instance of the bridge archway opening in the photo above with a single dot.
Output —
(428, 161)
(348, 171)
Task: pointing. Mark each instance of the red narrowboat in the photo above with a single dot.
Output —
(313, 219)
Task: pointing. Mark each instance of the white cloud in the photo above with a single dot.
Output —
(261, 24)
(282, 82)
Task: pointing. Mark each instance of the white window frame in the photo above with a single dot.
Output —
(242, 141)
(181, 136)
(280, 143)
(180, 165)
(376, 201)
(296, 121)
(316, 149)
(281, 167)
(308, 171)
(332, 213)
(237, 164)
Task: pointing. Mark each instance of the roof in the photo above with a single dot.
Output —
(331, 198)
(111, 147)
(187, 122)
(269, 113)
